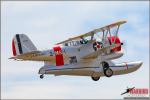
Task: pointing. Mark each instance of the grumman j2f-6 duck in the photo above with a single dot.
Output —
(88, 54)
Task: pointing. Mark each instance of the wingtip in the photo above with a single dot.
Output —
(124, 20)
(12, 58)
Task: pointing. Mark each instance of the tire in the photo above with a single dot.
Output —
(42, 76)
(108, 72)
(95, 78)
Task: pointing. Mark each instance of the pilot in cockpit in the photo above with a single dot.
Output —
(84, 41)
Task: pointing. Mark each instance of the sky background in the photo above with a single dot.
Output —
(47, 23)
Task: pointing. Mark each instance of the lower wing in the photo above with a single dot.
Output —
(100, 51)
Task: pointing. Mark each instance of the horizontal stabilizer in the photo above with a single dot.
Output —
(33, 56)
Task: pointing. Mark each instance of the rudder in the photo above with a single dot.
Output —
(22, 44)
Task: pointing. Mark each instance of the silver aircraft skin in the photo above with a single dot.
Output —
(83, 55)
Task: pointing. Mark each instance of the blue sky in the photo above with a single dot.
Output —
(47, 23)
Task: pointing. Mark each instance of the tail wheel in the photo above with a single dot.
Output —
(95, 78)
(107, 71)
(42, 76)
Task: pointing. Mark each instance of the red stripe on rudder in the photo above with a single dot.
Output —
(13, 48)
(58, 56)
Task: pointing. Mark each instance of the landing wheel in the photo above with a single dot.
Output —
(42, 76)
(95, 78)
(107, 71)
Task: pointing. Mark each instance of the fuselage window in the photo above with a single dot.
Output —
(72, 43)
(73, 60)
(66, 44)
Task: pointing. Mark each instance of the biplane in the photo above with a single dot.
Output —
(127, 90)
(89, 54)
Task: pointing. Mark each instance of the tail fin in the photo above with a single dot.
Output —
(22, 44)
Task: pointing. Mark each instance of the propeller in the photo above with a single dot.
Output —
(124, 46)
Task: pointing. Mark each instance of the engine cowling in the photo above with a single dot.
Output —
(116, 40)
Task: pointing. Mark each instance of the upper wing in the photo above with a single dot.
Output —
(95, 31)
(100, 51)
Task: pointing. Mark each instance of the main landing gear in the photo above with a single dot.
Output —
(42, 76)
(107, 71)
